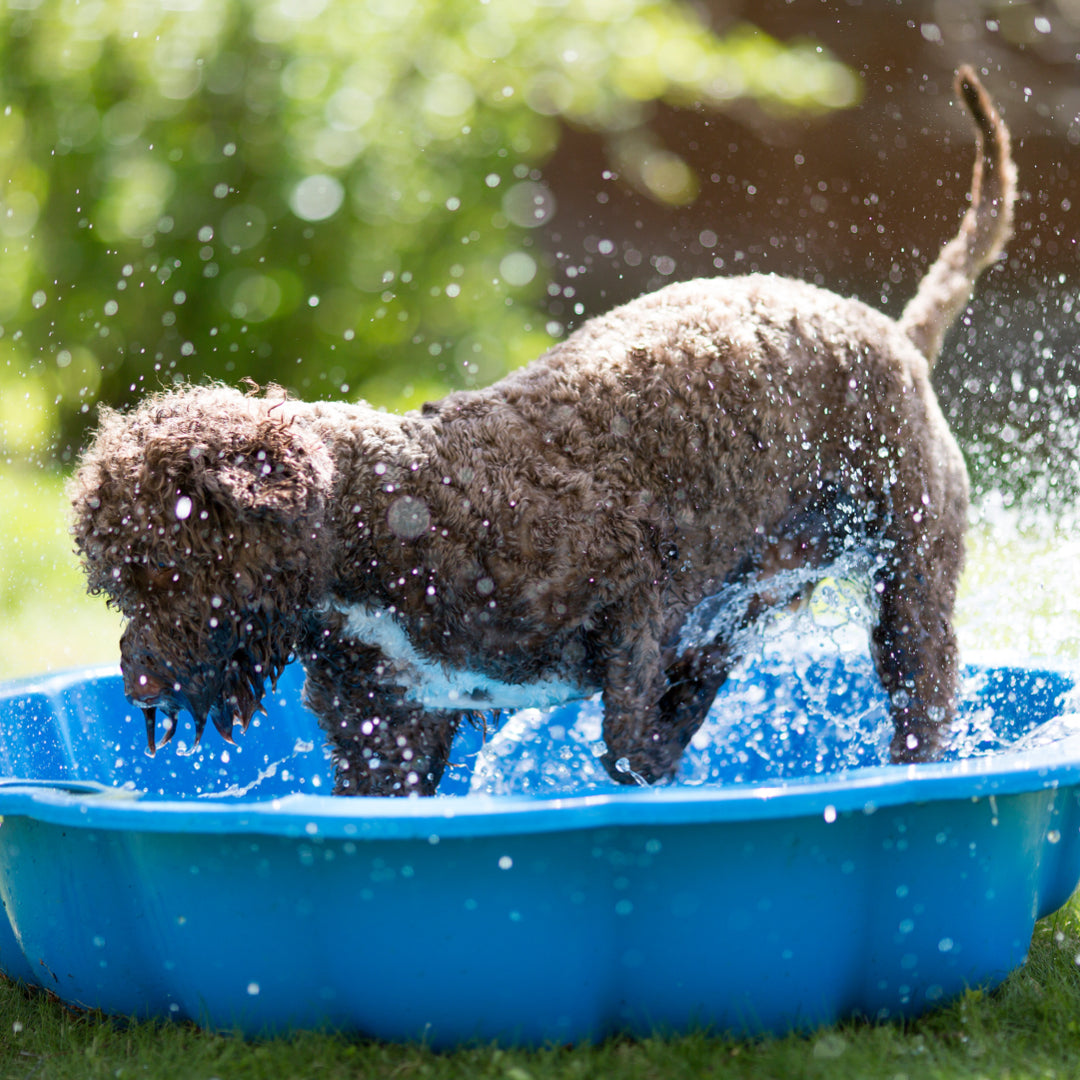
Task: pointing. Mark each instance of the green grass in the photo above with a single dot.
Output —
(1028, 1027)
(47, 622)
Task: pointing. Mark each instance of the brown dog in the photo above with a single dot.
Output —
(611, 517)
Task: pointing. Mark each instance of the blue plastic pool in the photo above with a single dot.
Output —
(790, 880)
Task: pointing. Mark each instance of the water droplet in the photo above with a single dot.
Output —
(529, 204)
(409, 518)
(517, 269)
(317, 197)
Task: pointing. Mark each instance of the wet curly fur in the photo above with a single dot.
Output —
(611, 517)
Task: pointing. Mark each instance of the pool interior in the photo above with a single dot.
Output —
(780, 717)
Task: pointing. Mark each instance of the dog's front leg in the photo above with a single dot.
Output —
(649, 722)
(694, 680)
(641, 747)
(381, 743)
(400, 750)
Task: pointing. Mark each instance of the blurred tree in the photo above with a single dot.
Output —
(333, 195)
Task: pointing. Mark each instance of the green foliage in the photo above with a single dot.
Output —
(340, 197)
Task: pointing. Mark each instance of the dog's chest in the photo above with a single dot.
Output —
(437, 685)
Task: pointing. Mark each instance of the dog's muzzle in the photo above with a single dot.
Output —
(227, 687)
(150, 693)
(226, 694)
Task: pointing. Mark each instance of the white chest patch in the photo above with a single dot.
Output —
(439, 686)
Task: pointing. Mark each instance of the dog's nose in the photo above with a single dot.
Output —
(143, 686)
(148, 692)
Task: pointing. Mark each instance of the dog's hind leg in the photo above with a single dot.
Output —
(814, 533)
(914, 644)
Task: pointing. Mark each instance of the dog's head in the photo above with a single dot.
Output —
(201, 516)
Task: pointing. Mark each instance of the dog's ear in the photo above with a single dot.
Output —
(272, 469)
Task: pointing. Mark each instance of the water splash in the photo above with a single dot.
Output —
(757, 729)
(807, 700)
(839, 595)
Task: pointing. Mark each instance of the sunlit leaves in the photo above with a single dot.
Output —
(324, 193)
(134, 199)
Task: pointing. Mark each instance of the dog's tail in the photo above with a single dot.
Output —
(945, 290)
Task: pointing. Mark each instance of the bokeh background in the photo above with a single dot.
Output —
(389, 199)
